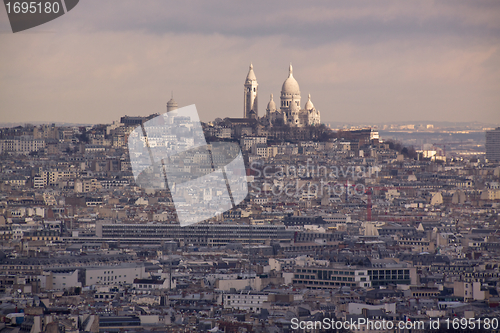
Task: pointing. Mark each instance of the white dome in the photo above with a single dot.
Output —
(290, 86)
(271, 106)
(172, 104)
(309, 105)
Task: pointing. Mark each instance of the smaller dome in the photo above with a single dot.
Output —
(309, 104)
(271, 106)
(172, 104)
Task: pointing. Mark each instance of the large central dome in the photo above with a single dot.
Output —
(290, 86)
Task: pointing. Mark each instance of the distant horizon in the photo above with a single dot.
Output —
(326, 122)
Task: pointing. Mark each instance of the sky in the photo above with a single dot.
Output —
(361, 61)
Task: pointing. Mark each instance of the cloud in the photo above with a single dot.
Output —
(321, 21)
(359, 60)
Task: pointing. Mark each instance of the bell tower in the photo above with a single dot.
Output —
(250, 94)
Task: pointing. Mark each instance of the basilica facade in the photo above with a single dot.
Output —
(289, 113)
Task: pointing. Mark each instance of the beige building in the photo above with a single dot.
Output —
(469, 291)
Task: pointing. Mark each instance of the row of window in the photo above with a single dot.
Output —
(108, 277)
(414, 243)
(389, 272)
(324, 283)
(242, 303)
(287, 103)
(330, 272)
(427, 294)
(391, 278)
(247, 297)
(333, 278)
(146, 286)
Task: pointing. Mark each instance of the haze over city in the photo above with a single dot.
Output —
(260, 167)
(383, 61)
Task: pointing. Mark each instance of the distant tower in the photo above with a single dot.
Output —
(250, 95)
(493, 145)
(172, 105)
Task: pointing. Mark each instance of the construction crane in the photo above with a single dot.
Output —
(369, 205)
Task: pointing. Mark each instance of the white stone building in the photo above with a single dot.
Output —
(289, 112)
(124, 273)
(252, 301)
(250, 108)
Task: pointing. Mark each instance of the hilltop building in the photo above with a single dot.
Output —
(289, 112)
(250, 109)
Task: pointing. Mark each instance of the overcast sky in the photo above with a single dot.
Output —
(370, 61)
